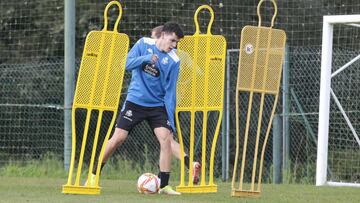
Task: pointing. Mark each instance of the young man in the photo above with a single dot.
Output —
(175, 146)
(151, 96)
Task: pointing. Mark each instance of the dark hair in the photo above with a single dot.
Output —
(171, 27)
(157, 31)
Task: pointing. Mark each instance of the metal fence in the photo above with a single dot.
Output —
(32, 75)
(33, 129)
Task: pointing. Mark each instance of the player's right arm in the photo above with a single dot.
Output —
(136, 58)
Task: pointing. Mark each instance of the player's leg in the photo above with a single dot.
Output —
(115, 141)
(175, 148)
(130, 116)
(164, 137)
(158, 120)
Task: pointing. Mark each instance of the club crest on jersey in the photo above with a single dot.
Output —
(150, 50)
(165, 60)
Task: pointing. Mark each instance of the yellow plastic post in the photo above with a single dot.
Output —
(98, 89)
(200, 88)
(259, 74)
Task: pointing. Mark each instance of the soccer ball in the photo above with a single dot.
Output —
(148, 183)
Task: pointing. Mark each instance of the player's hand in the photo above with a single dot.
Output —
(154, 58)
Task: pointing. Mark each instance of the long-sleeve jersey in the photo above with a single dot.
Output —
(153, 84)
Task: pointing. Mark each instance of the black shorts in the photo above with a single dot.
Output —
(132, 114)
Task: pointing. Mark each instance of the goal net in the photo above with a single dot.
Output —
(338, 152)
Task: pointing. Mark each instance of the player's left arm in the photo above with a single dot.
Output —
(170, 95)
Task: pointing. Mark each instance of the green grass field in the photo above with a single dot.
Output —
(26, 189)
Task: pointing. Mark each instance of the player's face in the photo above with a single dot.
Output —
(169, 41)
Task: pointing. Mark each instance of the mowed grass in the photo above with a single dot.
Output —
(24, 189)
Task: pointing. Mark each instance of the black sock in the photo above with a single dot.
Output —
(164, 177)
(95, 166)
(187, 160)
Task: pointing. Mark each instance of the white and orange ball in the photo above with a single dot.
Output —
(148, 183)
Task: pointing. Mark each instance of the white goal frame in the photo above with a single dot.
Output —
(325, 91)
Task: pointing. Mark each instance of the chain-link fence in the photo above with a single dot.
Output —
(31, 112)
(32, 73)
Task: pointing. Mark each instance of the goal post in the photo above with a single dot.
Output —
(325, 97)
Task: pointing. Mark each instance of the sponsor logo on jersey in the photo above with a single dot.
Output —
(152, 70)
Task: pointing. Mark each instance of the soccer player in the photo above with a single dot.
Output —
(151, 96)
(175, 146)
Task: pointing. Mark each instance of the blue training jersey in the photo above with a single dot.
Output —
(153, 84)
